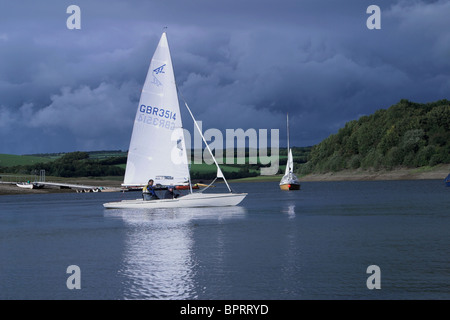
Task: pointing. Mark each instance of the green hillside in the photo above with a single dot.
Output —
(407, 134)
(73, 164)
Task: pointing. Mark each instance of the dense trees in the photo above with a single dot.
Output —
(75, 164)
(407, 134)
(112, 163)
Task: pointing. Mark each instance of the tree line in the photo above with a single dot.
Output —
(74, 164)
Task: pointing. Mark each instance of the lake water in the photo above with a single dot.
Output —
(316, 243)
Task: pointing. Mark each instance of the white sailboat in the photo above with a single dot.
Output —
(157, 148)
(29, 185)
(289, 180)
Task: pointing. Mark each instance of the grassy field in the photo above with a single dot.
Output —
(106, 154)
(203, 168)
(276, 177)
(9, 160)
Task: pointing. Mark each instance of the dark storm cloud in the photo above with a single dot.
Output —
(239, 64)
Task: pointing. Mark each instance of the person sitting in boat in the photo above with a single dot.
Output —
(170, 194)
(148, 192)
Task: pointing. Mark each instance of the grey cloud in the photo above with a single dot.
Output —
(239, 64)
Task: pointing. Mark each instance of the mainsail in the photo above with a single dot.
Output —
(289, 164)
(157, 147)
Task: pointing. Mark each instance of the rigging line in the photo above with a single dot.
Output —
(204, 140)
(208, 185)
(287, 125)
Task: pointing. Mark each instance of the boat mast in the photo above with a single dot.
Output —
(288, 147)
(287, 121)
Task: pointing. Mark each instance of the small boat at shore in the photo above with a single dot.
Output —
(29, 185)
(447, 181)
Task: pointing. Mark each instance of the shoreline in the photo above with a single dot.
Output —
(424, 173)
(10, 188)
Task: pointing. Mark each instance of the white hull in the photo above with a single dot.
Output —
(189, 201)
(25, 186)
(28, 185)
(289, 179)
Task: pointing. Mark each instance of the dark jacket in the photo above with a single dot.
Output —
(170, 195)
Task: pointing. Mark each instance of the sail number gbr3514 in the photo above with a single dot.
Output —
(157, 117)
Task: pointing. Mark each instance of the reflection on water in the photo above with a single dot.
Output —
(158, 259)
(290, 211)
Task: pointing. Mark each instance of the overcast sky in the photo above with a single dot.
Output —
(239, 64)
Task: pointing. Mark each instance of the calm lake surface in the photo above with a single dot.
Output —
(316, 243)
